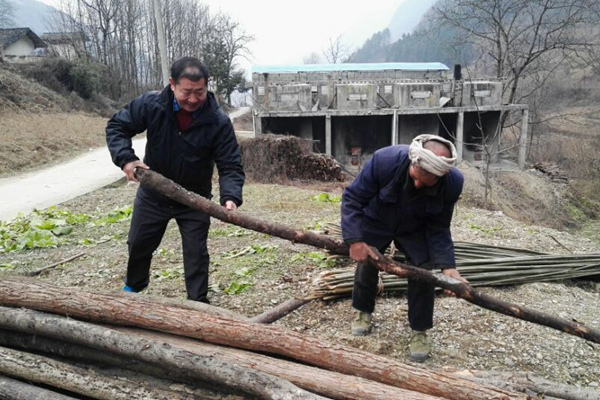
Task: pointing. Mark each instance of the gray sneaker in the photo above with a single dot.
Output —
(361, 325)
(418, 347)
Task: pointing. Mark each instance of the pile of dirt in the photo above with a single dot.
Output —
(277, 158)
(17, 92)
(528, 196)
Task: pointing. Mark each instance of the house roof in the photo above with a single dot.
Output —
(12, 35)
(64, 37)
(399, 66)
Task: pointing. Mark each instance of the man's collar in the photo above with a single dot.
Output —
(195, 114)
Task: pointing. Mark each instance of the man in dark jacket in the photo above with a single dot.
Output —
(406, 195)
(187, 133)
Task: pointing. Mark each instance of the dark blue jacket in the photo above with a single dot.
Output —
(187, 157)
(376, 209)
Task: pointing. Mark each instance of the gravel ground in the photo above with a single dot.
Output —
(464, 337)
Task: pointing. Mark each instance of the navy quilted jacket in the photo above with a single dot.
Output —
(376, 209)
(187, 157)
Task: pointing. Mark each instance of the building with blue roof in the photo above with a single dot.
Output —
(351, 110)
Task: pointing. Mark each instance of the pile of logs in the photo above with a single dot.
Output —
(553, 171)
(58, 339)
(278, 158)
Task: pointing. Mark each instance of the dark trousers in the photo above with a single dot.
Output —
(420, 296)
(148, 225)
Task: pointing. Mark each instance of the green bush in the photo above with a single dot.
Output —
(64, 76)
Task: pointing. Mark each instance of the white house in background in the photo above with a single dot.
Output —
(70, 45)
(21, 45)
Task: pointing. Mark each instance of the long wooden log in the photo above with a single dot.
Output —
(174, 191)
(69, 351)
(16, 390)
(326, 383)
(227, 375)
(84, 381)
(121, 310)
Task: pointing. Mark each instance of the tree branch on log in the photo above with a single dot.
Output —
(84, 381)
(56, 264)
(76, 303)
(175, 192)
(100, 338)
(16, 390)
(279, 311)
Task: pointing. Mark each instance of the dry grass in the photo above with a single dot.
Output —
(33, 141)
(243, 123)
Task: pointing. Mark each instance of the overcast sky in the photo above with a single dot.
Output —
(287, 31)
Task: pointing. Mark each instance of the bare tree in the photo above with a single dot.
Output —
(312, 58)
(520, 39)
(6, 14)
(336, 51)
(123, 36)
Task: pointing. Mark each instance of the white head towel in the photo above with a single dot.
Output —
(439, 166)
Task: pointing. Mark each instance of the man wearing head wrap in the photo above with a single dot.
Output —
(406, 195)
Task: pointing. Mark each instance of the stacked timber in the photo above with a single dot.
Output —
(278, 158)
(553, 171)
(57, 338)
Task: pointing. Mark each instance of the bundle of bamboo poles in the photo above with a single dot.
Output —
(481, 265)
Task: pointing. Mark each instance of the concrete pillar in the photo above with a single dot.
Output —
(460, 136)
(523, 138)
(266, 85)
(257, 124)
(395, 128)
(328, 135)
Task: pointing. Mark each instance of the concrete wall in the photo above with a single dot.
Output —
(346, 76)
(411, 126)
(22, 47)
(289, 98)
(417, 94)
(356, 97)
(481, 93)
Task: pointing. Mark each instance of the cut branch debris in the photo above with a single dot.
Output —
(56, 264)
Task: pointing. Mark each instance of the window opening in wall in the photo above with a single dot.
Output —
(357, 97)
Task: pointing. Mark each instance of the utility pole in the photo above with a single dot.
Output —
(162, 42)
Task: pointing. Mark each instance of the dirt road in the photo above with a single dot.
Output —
(42, 189)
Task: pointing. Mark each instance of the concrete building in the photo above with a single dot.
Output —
(20, 45)
(69, 45)
(351, 110)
